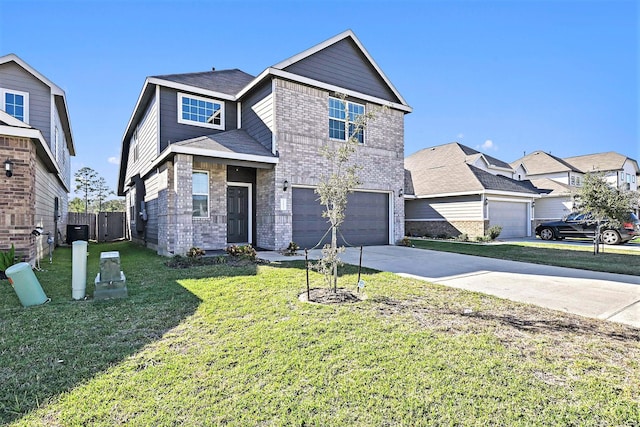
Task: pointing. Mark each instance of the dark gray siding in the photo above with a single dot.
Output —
(171, 130)
(257, 114)
(12, 76)
(342, 64)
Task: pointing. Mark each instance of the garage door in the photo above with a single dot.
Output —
(366, 223)
(511, 216)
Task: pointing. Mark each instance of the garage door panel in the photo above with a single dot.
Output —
(366, 223)
(511, 216)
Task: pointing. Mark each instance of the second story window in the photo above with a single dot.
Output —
(338, 110)
(194, 110)
(16, 104)
(134, 145)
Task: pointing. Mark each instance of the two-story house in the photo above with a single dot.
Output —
(559, 179)
(453, 189)
(36, 143)
(223, 157)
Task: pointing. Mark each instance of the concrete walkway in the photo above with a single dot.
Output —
(608, 296)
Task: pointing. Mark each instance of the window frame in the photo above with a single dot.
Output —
(347, 110)
(184, 121)
(193, 193)
(3, 102)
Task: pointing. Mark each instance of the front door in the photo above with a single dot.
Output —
(237, 214)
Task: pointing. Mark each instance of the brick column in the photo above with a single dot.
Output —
(182, 187)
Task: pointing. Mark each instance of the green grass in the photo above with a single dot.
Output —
(221, 345)
(612, 260)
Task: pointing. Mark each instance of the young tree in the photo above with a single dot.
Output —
(335, 186)
(609, 206)
(86, 180)
(113, 205)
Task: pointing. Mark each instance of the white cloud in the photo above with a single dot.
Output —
(488, 145)
(460, 135)
(114, 160)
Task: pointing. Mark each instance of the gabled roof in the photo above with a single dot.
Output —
(286, 69)
(233, 143)
(58, 94)
(229, 82)
(601, 162)
(539, 162)
(551, 187)
(446, 169)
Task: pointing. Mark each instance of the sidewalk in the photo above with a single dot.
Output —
(607, 296)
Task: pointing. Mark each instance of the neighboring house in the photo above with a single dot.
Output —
(453, 189)
(36, 143)
(222, 157)
(559, 179)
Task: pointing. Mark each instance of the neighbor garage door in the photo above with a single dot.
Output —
(366, 223)
(511, 216)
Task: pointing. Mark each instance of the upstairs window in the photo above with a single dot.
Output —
(200, 194)
(134, 145)
(16, 104)
(338, 110)
(194, 110)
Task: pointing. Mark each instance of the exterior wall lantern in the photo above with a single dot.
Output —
(285, 185)
(400, 192)
(8, 168)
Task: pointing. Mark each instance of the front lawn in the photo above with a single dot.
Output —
(222, 345)
(612, 260)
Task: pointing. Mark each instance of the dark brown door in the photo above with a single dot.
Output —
(237, 214)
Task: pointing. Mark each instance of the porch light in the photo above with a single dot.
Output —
(285, 185)
(8, 168)
(400, 192)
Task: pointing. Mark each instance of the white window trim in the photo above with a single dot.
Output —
(56, 142)
(346, 121)
(194, 123)
(4, 91)
(202, 194)
(135, 151)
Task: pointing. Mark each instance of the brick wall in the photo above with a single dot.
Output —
(301, 129)
(17, 196)
(211, 233)
(446, 228)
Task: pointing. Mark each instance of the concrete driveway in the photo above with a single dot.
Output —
(608, 296)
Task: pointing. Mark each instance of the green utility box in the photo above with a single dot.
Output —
(26, 284)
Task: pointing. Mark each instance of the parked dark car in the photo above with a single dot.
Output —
(583, 225)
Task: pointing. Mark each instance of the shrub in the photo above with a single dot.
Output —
(493, 232)
(292, 249)
(443, 236)
(405, 241)
(246, 251)
(464, 237)
(195, 252)
(8, 258)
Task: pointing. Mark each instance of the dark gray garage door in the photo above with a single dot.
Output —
(511, 216)
(366, 223)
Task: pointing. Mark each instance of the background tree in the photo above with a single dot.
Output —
(609, 206)
(334, 188)
(113, 205)
(101, 191)
(86, 181)
(76, 205)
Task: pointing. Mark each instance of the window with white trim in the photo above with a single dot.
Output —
(56, 143)
(134, 145)
(198, 111)
(15, 103)
(338, 120)
(200, 194)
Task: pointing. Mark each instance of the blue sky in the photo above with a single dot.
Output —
(504, 77)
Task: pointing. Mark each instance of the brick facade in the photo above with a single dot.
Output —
(446, 228)
(17, 197)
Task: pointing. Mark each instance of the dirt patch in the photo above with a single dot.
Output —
(232, 261)
(327, 296)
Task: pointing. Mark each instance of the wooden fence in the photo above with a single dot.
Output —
(103, 226)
